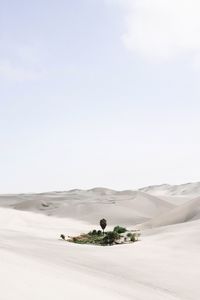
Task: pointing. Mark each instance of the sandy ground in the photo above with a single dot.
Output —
(164, 265)
(34, 264)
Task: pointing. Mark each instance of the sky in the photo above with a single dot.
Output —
(98, 93)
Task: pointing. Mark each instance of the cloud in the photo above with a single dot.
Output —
(161, 29)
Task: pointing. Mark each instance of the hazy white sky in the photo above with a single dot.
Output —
(99, 93)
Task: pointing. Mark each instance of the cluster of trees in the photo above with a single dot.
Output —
(111, 236)
(100, 237)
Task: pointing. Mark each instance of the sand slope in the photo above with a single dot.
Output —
(125, 207)
(35, 265)
(187, 189)
(186, 212)
(164, 265)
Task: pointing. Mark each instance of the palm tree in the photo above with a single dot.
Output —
(103, 224)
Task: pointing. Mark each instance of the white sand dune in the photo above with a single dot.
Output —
(125, 208)
(36, 265)
(176, 200)
(187, 189)
(164, 265)
(188, 211)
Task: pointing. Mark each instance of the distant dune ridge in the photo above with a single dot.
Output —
(151, 206)
(126, 208)
(192, 189)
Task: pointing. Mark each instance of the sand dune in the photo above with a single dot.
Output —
(125, 208)
(184, 213)
(163, 265)
(187, 189)
(118, 207)
(36, 265)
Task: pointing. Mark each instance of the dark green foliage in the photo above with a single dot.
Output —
(129, 235)
(110, 238)
(133, 236)
(97, 237)
(93, 232)
(103, 224)
(119, 229)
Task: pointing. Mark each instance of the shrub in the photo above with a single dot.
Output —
(99, 232)
(93, 232)
(62, 236)
(119, 229)
(133, 237)
(110, 238)
(129, 235)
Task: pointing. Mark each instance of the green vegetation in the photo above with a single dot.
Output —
(119, 235)
(129, 234)
(95, 232)
(119, 229)
(98, 238)
(110, 238)
(87, 239)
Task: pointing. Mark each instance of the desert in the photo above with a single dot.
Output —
(36, 264)
(99, 150)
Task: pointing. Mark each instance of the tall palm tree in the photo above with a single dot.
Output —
(103, 224)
